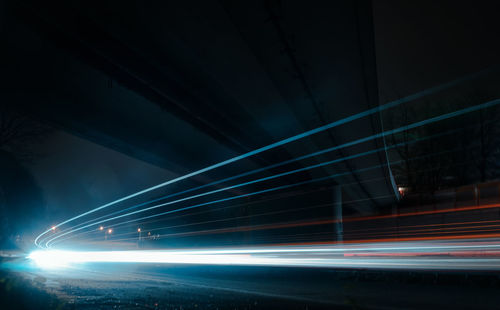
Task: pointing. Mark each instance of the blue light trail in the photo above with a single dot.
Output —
(348, 144)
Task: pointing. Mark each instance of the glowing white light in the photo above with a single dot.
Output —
(314, 256)
(51, 259)
(58, 259)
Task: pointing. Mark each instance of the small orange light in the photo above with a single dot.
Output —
(101, 228)
(53, 228)
(138, 229)
(110, 231)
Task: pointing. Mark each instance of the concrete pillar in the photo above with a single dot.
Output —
(337, 210)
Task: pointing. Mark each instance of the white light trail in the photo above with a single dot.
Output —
(423, 255)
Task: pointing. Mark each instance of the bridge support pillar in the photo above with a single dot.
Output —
(337, 209)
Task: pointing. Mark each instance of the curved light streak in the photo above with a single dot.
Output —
(430, 254)
(348, 144)
(351, 118)
(232, 160)
(235, 197)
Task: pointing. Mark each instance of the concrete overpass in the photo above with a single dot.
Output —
(186, 84)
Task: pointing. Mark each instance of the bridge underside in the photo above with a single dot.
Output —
(186, 84)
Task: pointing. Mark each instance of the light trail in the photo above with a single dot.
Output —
(291, 139)
(187, 198)
(253, 257)
(394, 235)
(237, 158)
(362, 253)
(454, 131)
(286, 195)
(288, 211)
(470, 208)
(389, 132)
(135, 223)
(47, 243)
(429, 255)
(261, 170)
(401, 229)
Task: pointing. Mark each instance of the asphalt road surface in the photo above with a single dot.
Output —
(164, 286)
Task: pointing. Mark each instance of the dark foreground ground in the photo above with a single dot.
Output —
(126, 286)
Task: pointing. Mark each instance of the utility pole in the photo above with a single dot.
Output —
(139, 240)
(337, 211)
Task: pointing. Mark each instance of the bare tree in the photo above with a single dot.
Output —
(18, 131)
(453, 152)
(19, 192)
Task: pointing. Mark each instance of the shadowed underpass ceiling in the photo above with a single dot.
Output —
(183, 85)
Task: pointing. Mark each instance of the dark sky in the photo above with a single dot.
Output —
(424, 43)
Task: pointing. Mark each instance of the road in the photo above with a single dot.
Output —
(453, 274)
(453, 254)
(105, 286)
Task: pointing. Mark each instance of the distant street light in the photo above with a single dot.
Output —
(53, 228)
(101, 228)
(139, 240)
(107, 232)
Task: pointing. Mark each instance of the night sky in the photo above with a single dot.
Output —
(421, 44)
